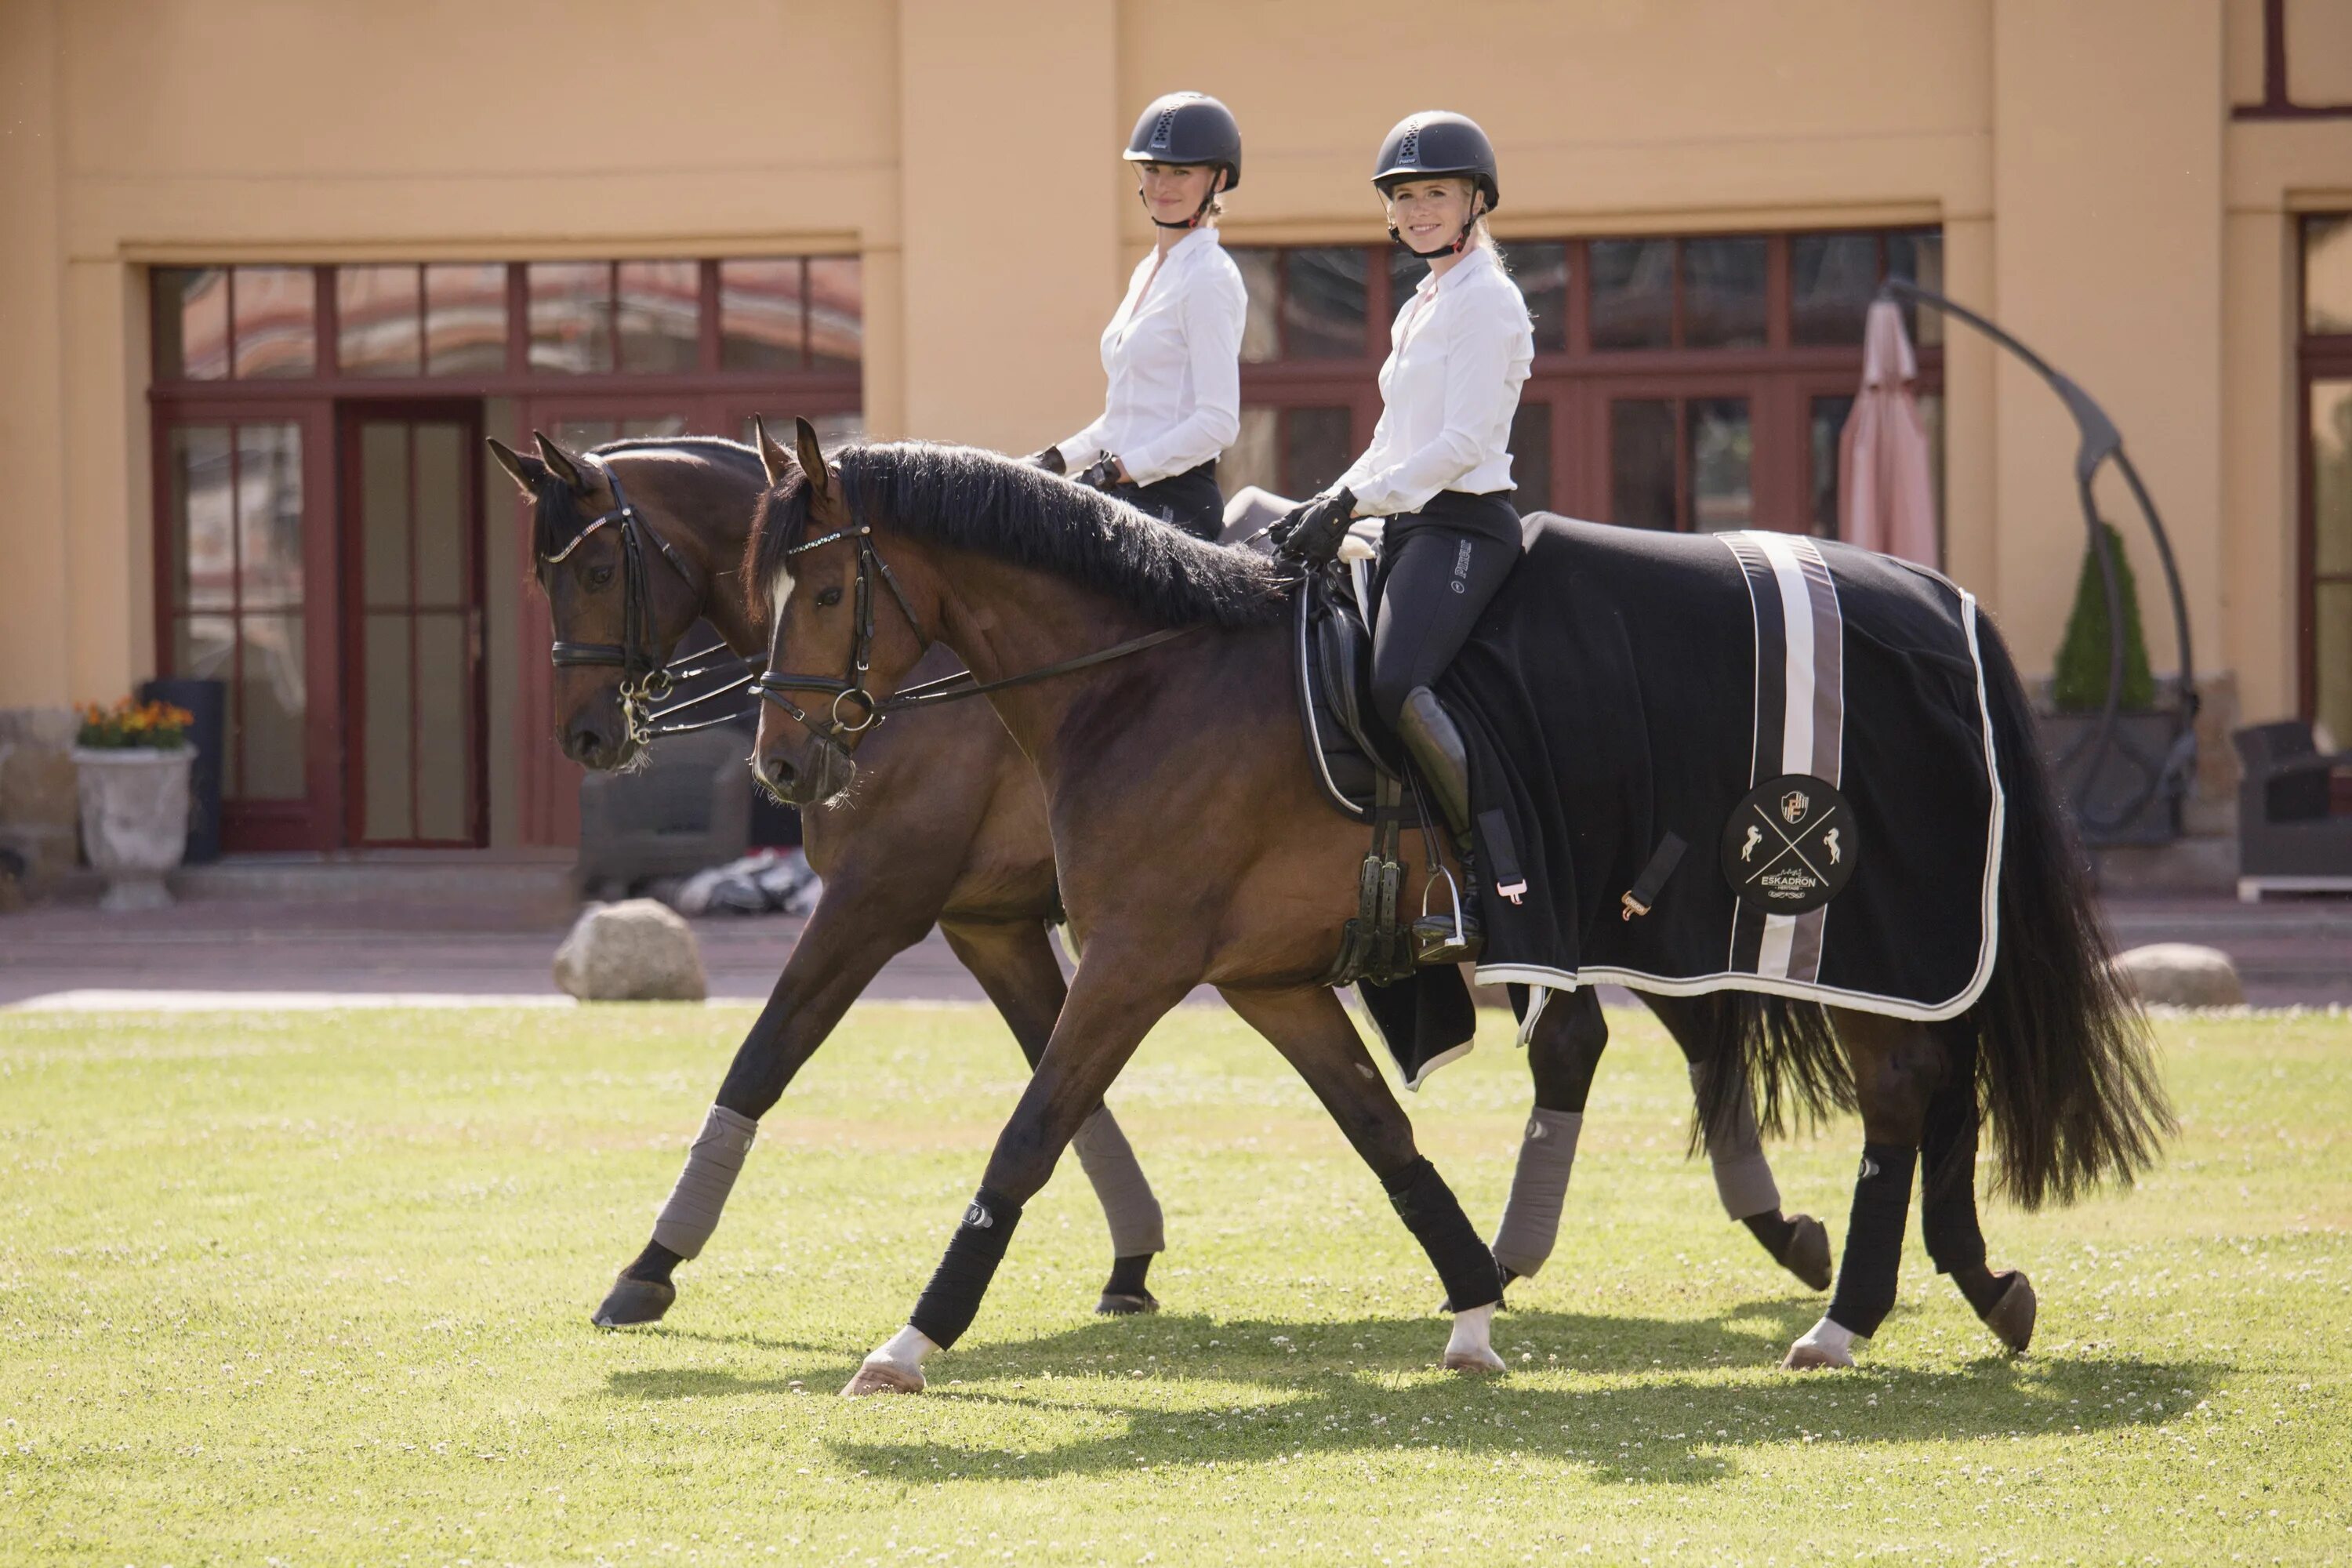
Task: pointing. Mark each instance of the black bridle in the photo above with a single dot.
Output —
(646, 677)
(833, 730)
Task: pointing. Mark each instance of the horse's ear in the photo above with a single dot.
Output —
(772, 455)
(560, 463)
(526, 473)
(812, 459)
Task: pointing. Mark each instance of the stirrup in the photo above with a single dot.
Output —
(1438, 939)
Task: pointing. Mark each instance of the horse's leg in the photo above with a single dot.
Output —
(1101, 1023)
(1743, 1176)
(1948, 1206)
(1563, 1051)
(1897, 1069)
(1314, 1035)
(1013, 961)
(856, 928)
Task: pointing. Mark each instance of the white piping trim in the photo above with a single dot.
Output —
(1307, 722)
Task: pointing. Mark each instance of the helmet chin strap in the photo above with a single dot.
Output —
(1460, 242)
(1216, 187)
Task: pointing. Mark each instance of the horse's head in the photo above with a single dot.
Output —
(844, 627)
(615, 622)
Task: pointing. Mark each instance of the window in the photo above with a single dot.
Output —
(1692, 382)
(2325, 356)
(325, 542)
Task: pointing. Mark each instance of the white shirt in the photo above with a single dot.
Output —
(1458, 353)
(1173, 356)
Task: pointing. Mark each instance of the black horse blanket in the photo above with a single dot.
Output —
(1748, 762)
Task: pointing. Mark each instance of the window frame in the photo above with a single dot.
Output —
(2319, 356)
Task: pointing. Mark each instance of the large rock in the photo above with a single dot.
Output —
(634, 950)
(2181, 974)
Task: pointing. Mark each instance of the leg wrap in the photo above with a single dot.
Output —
(1465, 1264)
(1743, 1177)
(692, 1212)
(951, 1300)
(1531, 1216)
(1119, 1185)
(1874, 1238)
(1947, 1182)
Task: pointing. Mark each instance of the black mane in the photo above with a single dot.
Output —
(970, 498)
(557, 517)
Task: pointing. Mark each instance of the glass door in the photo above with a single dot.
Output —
(1680, 461)
(2327, 642)
(414, 759)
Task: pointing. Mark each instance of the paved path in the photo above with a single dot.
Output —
(2293, 952)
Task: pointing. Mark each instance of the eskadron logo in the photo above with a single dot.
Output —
(978, 1217)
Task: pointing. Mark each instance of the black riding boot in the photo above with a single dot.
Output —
(1429, 733)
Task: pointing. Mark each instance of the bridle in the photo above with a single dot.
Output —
(834, 730)
(647, 679)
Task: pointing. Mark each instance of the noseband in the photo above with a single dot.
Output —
(833, 729)
(647, 679)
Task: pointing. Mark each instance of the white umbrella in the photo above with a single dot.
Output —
(1885, 482)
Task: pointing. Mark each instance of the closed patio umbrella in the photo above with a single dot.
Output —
(1886, 490)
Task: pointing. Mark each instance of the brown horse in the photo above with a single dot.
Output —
(1193, 846)
(948, 826)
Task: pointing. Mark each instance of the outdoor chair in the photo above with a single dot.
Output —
(685, 807)
(2295, 813)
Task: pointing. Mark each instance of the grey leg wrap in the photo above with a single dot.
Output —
(1531, 1216)
(692, 1212)
(1119, 1185)
(1743, 1177)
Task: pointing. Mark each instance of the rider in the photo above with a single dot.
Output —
(1174, 349)
(1439, 468)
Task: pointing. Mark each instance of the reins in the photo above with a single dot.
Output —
(646, 680)
(832, 728)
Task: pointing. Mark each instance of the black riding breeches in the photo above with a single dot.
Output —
(1191, 500)
(1435, 582)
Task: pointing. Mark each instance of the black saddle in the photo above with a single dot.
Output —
(1350, 748)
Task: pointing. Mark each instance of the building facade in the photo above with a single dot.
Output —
(273, 270)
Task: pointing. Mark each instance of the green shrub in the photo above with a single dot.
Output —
(2081, 683)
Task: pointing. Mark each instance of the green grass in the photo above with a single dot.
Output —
(314, 1288)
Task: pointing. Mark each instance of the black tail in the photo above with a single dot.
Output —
(2062, 1061)
(2064, 1069)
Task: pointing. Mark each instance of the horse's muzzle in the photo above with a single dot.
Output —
(821, 772)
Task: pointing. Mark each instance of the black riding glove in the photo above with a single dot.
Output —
(1100, 475)
(1312, 532)
(1050, 459)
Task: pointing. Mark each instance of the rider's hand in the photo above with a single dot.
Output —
(1312, 532)
(1050, 459)
(1100, 474)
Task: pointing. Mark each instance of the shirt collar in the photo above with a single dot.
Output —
(1476, 255)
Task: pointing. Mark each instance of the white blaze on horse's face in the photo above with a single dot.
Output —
(778, 591)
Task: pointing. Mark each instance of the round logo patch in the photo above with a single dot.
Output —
(1789, 844)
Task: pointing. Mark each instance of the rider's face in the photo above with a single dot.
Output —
(1430, 213)
(1174, 192)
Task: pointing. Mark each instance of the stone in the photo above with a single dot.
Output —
(2181, 974)
(40, 807)
(634, 951)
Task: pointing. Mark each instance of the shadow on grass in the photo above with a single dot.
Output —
(1366, 1387)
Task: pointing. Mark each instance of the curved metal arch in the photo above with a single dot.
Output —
(2101, 444)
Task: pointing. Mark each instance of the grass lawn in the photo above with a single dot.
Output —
(314, 1288)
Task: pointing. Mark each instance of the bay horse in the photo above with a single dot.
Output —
(1148, 677)
(946, 826)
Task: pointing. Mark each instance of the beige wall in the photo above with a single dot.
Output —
(2094, 195)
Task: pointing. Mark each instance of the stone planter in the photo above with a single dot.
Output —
(134, 820)
(2142, 738)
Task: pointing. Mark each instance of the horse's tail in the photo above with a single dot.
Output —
(2062, 1054)
(2064, 1065)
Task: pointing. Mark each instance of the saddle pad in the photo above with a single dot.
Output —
(1626, 687)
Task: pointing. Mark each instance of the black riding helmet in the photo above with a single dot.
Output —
(1189, 128)
(1437, 142)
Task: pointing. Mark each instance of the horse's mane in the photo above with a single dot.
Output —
(970, 498)
(558, 519)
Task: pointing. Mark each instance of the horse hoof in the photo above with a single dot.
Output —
(1807, 1256)
(1126, 1304)
(1474, 1363)
(1803, 1357)
(634, 1301)
(2012, 1318)
(881, 1377)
